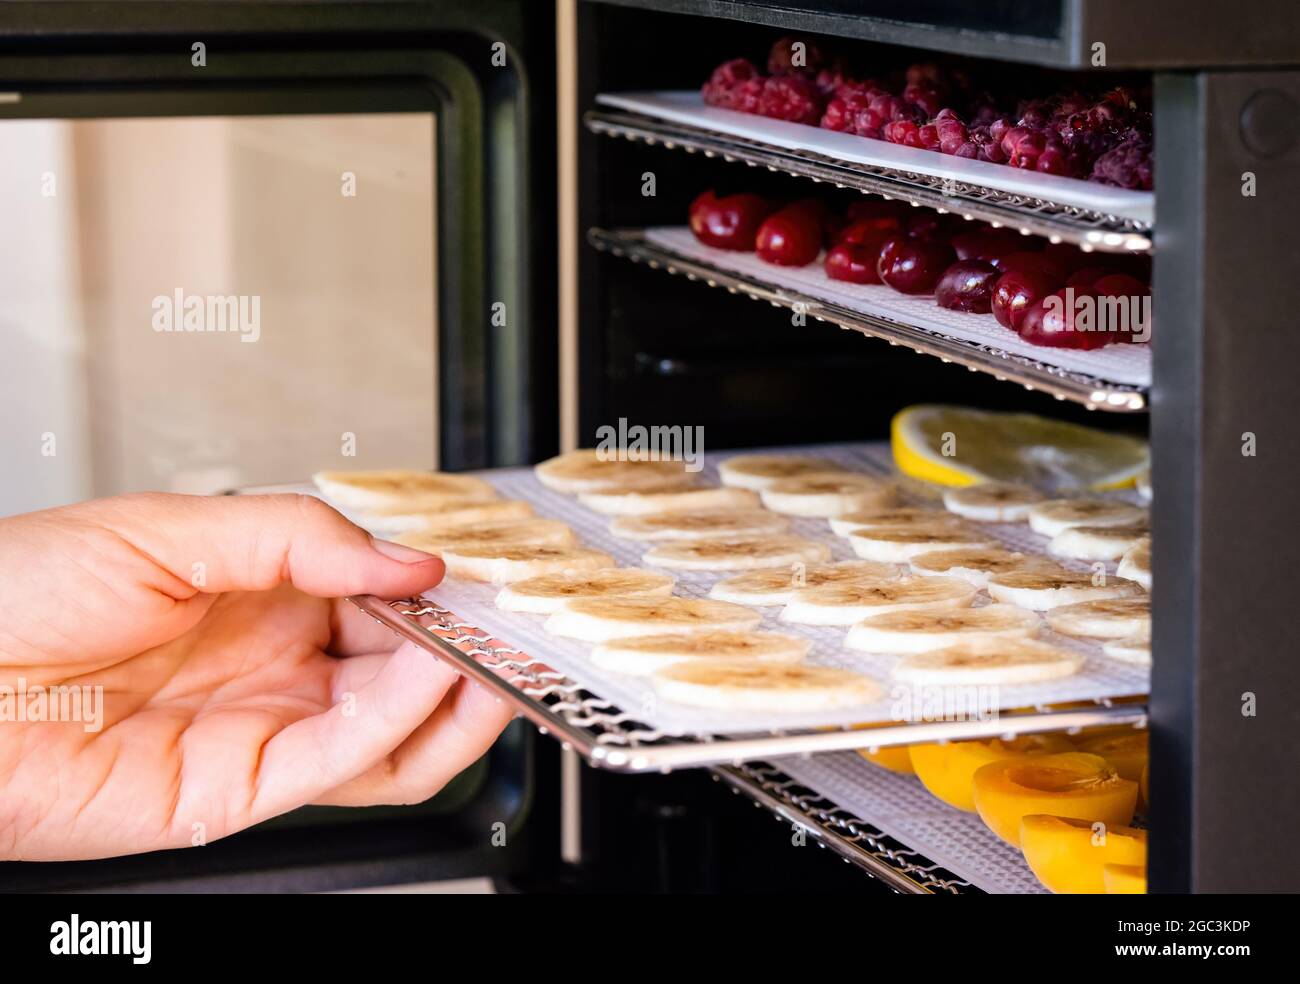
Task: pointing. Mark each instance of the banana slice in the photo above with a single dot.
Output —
(508, 564)
(742, 685)
(1132, 650)
(1143, 483)
(1106, 618)
(899, 546)
(1058, 515)
(844, 604)
(992, 502)
(901, 517)
(827, 494)
(976, 566)
(1041, 592)
(512, 532)
(603, 619)
(649, 654)
(1136, 563)
(549, 593)
(1097, 542)
(591, 470)
(623, 503)
(777, 587)
(737, 555)
(758, 471)
(401, 519)
(400, 487)
(712, 524)
(899, 633)
(998, 661)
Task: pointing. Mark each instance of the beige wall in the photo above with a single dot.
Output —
(252, 206)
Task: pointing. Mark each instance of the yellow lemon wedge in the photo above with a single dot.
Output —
(957, 446)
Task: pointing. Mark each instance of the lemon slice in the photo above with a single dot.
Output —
(960, 446)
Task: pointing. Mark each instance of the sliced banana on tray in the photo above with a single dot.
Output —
(992, 502)
(508, 564)
(776, 587)
(899, 546)
(902, 632)
(591, 470)
(515, 532)
(844, 604)
(1135, 649)
(737, 555)
(548, 593)
(758, 471)
(742, 685)
(827, 494)
(1097, 542)
(403, 519)
(712, 524)
(1000, 661)
(899, 517)
(1105, 618)
(400, 487)
(1136, 563)
(642, 655)
(1058, 515)
(602, 619)
(977, 565)
(1041, 592)
(633, 503)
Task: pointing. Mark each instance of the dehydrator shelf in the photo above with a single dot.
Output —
(610, 737)
(1093, 391)
(831, 826)
(1089, 228)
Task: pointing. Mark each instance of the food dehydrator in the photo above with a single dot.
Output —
(542, 176)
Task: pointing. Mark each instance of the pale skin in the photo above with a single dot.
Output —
(233, 691)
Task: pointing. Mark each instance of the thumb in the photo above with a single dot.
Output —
(252, 543)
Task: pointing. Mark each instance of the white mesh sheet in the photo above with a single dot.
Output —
(901, 807)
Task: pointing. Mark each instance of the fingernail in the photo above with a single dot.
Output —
(399, 552)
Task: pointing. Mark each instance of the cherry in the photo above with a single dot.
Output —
(790, 237)
(1025, 261)
(987, 244)
(932, 226)
(967, 285)
(869, 231)
(853, 262)
(1069, 256)
(1136, 321)
(1120, 285)
(1016, 290)
(885, 214)
(1050, 321)
(1084, 277)
(913, 266)
(730, 222)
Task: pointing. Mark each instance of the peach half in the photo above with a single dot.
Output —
(1068, 784)
(1125, 879)
(947, 770)
(1068, 855)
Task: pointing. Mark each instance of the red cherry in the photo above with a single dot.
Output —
(853, 262)
(913, 266)
(1026, 261)
(1120, 285)
(887, 215)
(967, 285)
(1133, 323)
(1016, 290)
(872, 232)
(728, 223)
(932, 226)
(1084, 277)
(1051, 320)
(1068, 256)
(791, 237)
(987, 244)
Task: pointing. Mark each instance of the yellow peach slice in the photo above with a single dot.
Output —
(1067, 855)
(946, 770)
(1126, 752)
(1069, 784)
(1124, 879)
(895, 758)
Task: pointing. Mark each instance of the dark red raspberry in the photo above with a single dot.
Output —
(793, 98)
(952, 132)
(869, 123)
(929, 99)
(721, 88)
(928, 136)
(842, 108)
(1129, 165)
(903, 132)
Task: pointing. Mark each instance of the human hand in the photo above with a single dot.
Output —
(237, 684)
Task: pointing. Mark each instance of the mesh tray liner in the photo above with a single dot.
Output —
(900, 806)
(1129, 365)
(1100, 678)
